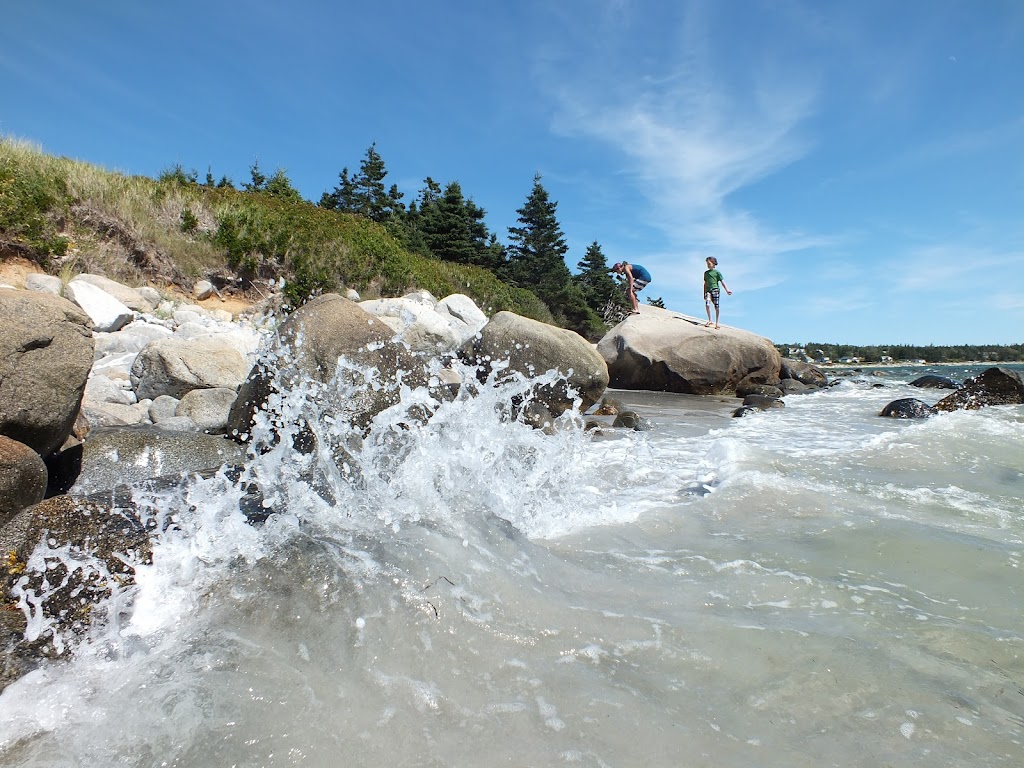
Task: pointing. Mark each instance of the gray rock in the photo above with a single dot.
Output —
(163, 408)
(106, 312)
(531, 348)
(115, 414)
(745, 388)
(71, 598)
(46, 351)
(101, 389)
(762, 402)
(174, 367)
(178, 424)
(128, 296)
(44, 283)
(23, 477)
(128, 456)
(667, 352)
(151, 295)
(203, 289)
(129, 340)
(794, 387)
(312, 340)
(207, 408)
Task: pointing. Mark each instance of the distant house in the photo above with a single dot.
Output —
(849, 359)
(886, 359)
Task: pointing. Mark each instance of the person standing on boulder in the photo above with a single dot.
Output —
(712, 279)
(637, 278)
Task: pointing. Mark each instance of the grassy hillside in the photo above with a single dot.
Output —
(71, 217)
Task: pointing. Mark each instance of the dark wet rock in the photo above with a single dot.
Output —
(128, 455)
(632, 420)
(907, 408)
(795, 387)
(70, 555)
(766, 390)
(807, 374)
(993, 386)
(931, 381)
(762, 402)
(608, 406)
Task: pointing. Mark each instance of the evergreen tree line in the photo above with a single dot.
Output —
(442, 222)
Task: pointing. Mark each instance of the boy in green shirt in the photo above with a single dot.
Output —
(712, 279)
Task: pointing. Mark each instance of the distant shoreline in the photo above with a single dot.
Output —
(912, 364)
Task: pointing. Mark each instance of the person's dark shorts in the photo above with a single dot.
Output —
(714, 296)
(639, 285)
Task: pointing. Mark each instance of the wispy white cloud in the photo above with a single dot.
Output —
(691, 138)
(957, 269)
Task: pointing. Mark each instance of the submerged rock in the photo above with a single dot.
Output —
(907, 408)
(931, 381)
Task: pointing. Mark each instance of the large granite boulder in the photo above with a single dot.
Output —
(993, 386)
(332, 341)
(175, 367)
(23, 477)
(531, 348)
(46, 352)
(106, 312)
(664, 351)
(127, 295)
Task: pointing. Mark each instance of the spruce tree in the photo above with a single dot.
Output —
(594, 278)
(259, 181)
(536, 252)
(279, 185)
(364, 193)
(453, 227)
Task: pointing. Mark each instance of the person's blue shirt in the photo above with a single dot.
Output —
(640, 272)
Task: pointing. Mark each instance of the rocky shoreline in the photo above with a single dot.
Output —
(105, 388)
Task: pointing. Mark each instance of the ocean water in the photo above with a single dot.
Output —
(809, 586)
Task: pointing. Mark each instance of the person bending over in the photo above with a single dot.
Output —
(637, 278)
(712, 279)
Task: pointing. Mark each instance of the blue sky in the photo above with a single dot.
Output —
(856, 167)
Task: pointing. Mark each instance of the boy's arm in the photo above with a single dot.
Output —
(722, 282)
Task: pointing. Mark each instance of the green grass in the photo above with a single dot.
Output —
(71, 216)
